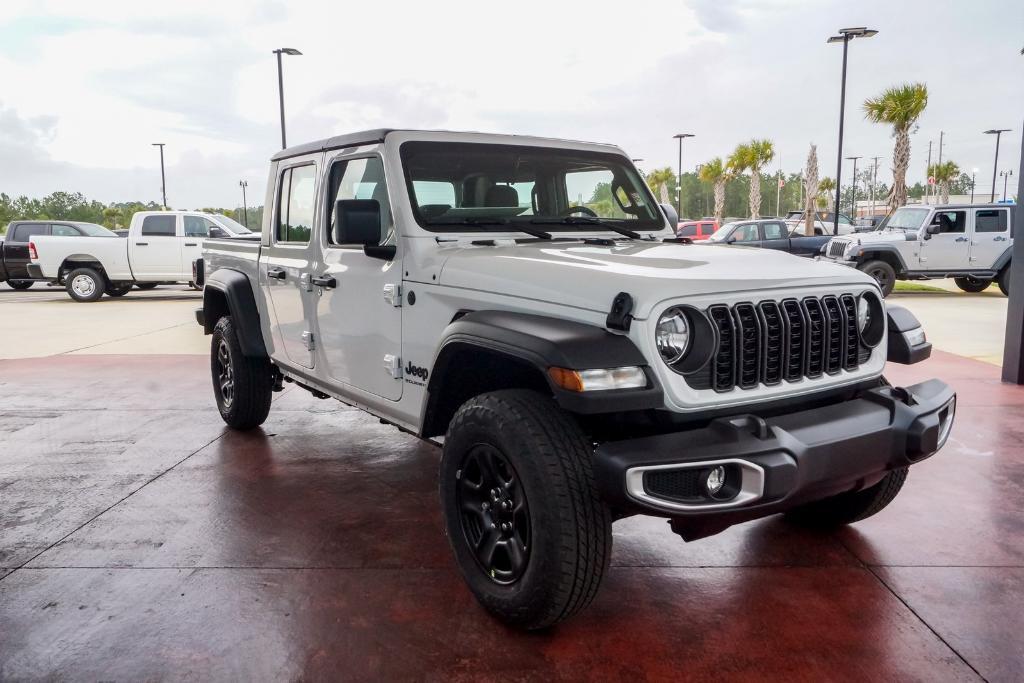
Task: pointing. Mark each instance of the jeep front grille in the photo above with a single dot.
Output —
(770, 342)
(836, 248)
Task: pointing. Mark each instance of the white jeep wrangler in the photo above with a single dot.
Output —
(972, 243)
(522, 303)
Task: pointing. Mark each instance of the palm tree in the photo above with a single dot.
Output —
(658, 181)
(944, 173)
(752, 157)
(811, 190)
(900, 107)
(716, 173)
(826, 192)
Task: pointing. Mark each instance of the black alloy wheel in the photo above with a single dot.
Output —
(225, 375)
(494, 513)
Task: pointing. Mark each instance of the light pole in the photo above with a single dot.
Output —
(280, 84)
(163, 178)
(998, 132)
(679, 182)
(844, 37)
(973, 173)
(853, 202)
(1006, 176)
(874, 183)
(245, 206)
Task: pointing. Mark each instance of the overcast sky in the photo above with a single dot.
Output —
(85, 87)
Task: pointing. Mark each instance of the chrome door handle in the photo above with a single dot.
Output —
(276, 273)
(325, 281)
(960, 239)
(191, 244)
(142, 244)
(998, 239)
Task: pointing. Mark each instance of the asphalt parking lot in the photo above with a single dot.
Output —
(140, 539)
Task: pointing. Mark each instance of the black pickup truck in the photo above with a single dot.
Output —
(14, 246)
(769, 233)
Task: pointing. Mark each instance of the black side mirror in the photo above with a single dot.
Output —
(731, 240)
(217, 233)
(933, 229)
(357, 221)
(671, 215)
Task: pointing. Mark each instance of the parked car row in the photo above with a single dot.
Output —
(90, 260)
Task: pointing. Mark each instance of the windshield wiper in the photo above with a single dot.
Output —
(606, 223)
(493, 222)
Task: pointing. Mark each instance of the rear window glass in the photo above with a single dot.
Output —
(687, 231)
(23, 232)
(990, 220)
(158, 226)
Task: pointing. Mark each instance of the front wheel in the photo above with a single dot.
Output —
(1004, 281)
(242, 385)
(20, 284)
(971, 285)
(847, 508)
(530, 534)
(146, 285)
(85, 285)
(884, 274)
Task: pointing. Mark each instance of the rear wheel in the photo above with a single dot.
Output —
(530, 534)
(847, 508)
(146, 285)
(85, 285)
(20, 284)
(1004, 281)
(242, 385)
(884, 274)
(969, 284)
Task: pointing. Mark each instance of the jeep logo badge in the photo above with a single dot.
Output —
(416, 371)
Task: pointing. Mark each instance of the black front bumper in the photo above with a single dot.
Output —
(783, 461)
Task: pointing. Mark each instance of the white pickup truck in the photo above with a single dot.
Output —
(161, 247)
(525, 302)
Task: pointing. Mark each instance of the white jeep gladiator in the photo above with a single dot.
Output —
(971, 243)
(522, 303)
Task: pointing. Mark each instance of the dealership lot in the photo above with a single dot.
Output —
(141, 539)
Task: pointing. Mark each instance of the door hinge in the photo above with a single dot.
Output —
(306, 282)
(393, 295)
(307, 340)
(393, 364)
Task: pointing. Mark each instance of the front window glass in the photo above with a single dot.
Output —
(746, 233)
(197, 226)
(231, 224)
(64, 231)
(93, 230)
(905, 218)
(359, 179)
(722, 233)
(950, 221)
(455, 185)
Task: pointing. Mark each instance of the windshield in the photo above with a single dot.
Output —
(460, 186)
(93, 230)
(722, 233)
(231, 224)
(904, 218)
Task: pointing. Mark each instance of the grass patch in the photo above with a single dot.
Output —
(905, 286)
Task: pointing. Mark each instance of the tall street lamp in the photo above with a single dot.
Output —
(245, 206)
(280, 84)
(1006, 176)
(973, 173)
(679, 181)
(853, 202)
(998, 132)
(163, 178)
(844, 37)
(874, 184)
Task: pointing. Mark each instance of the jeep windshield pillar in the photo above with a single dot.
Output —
(524, 304)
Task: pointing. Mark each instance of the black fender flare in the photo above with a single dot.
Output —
(887, 249)
(543, 342)
(233, 287)
(1004, 259)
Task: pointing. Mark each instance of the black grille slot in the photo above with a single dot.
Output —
(796, 330)
(772, 344)
(852, 340)
(748, 345)
(681, 485)
(816, 338)
(723, 364)
(835, 333)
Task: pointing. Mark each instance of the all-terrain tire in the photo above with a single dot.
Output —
(85, 285)
(1004, 281)
(884, 274)
(242, 385)
(569, 525)
(971, 285)
(20, 284)
(847, 508)
(146, 285)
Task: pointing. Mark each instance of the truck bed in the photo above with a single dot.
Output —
(54, 250)
(240, 255)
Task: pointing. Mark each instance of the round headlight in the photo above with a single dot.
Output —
(672, 336)
(863, 314)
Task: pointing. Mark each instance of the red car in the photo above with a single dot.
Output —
(696, 230)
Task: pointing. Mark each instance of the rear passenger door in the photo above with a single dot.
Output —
(16, 247)
(991, 236)
(774, 236)
(155, 252)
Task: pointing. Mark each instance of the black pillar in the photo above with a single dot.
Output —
(1013, 348)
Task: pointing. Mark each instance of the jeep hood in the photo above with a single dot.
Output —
(876, 237)
(589, 276)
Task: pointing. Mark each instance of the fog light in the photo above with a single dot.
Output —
(715, 480)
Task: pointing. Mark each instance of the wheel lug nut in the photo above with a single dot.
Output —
(485, 505)
(493, 525)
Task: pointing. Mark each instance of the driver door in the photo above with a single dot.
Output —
(948, 249)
